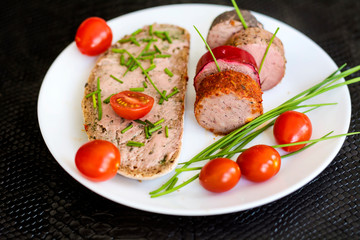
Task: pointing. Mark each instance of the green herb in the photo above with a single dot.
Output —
(147, 47)
(160, 34)
(208, 47)
(127, 128)
(115, 50)
(158, 122)
(115, 78)
(146, 57)
(229, 144)
(157, 49)
(152, 83)
(134, 144)
(168, 72)
(150, 123)
(145, 85)
(99, 99)
(137, 32)
(239, 14)
(149, 53)
(133, 40)
(139, 89)
(151, 30)
(172, 184)
(167, 37)
(124, 40)
(147, 135)
(175, 91)
(267, 49)
(139, 121)
(166, 131)
(162, 56)
(122, 60)
(152, 66)
(107, 100)
(94, 101)
(161, 98)
(154, 129)
(92, 93)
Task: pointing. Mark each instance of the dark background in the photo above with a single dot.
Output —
(38, 199)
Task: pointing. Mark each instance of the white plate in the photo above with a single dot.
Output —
(61, 122)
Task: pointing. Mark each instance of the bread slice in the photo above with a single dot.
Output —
(160, 153)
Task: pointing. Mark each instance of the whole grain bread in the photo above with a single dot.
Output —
(160, 153)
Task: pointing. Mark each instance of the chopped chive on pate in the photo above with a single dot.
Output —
(134, 144)
(127, 128)
(124, 40)
(133, 40)
(162, 56)
(99, 99)
(150, 123)
(115, 78)
(94, 101)
(152, 66)
(154, 129)
(145, 85)
(122, 60)
(158, 122)
(168, 72)
(151, 30)
(115, 50)
(175, 91)
(166, 131)
(167, 37)
(137, 32)
(157, 49)
(161, 98)
(139, 121)
(139, 89)
(92, 93)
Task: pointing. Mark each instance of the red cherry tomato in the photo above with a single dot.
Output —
(98, 160)
(291, 127)
(259, 163)
(131, 105)
(93, 36)
(219, 175)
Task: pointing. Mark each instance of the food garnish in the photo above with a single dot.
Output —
(234, 142)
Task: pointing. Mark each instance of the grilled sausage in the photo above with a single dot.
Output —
(227, 24)
(227, 100)
(255, 41)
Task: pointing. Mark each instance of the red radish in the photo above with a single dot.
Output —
(228, 58)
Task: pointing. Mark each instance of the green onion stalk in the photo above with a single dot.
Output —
(235, 141)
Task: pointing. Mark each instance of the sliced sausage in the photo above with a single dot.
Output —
(227, 100)
(227, 24)
(255, 41)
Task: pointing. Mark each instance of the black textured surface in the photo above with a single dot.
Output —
(38, 199)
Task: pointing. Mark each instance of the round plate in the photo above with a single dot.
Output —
(61, 121)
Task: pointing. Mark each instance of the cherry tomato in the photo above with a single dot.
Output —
(98, 160)
(259, 163)
(131, 105)
(93, 36)
(291, 127)
(219, 175)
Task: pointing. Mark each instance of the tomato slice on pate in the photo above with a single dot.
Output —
(131, 105)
